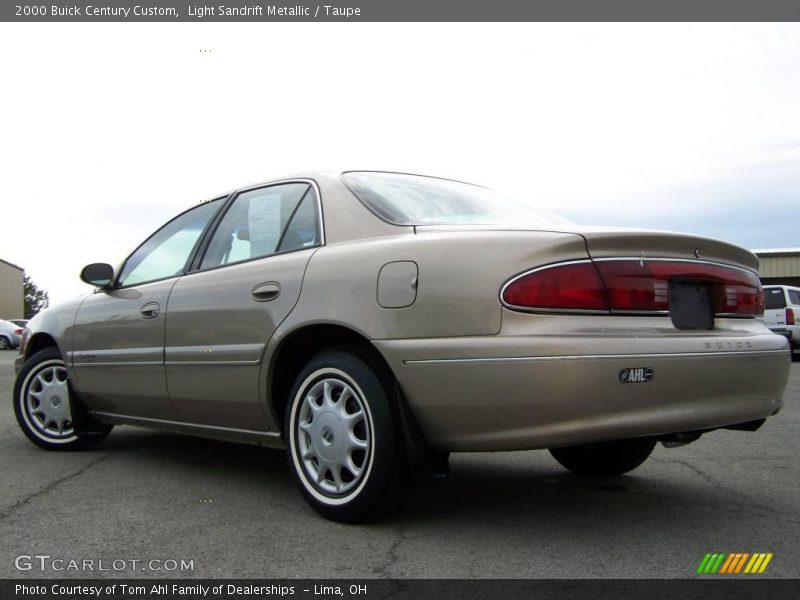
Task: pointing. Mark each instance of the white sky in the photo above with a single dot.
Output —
(110, 129)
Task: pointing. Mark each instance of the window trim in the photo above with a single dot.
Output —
(115, 285)
(206, 238)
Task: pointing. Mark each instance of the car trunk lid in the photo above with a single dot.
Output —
(643, 244)
(606, 242)
(693, 279)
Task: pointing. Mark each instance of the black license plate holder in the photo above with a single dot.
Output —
(690, 305)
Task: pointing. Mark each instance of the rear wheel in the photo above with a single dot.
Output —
(605, 459)
(45, 406)
(5, 343)
(345, 443)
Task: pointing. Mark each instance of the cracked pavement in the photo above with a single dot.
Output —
(235, 512)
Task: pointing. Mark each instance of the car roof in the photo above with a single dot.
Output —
(314, 175)
(336, 175)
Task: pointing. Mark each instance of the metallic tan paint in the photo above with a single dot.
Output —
(397, 284)
(551, 380)
(118, 356)
(216, 335)
(476, 376)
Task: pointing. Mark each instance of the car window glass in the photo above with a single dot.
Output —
(302, 231)
(794, 296)
(404, 199)
(256, 223)
(166, 252)
(773, 298)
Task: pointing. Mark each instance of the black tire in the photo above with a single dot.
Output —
(80, 430)
(5, 343)
(604, 459)
(376, 480)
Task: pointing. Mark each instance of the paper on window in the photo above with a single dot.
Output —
(264, 220)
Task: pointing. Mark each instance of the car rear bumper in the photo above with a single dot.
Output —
(495, 393)
(782, 331)
(791, 333)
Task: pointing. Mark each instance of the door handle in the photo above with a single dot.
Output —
(150, 310)
(264, 292)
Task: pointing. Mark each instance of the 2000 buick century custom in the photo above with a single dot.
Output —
(373, 322)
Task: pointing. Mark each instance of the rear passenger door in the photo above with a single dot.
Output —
(221, 315)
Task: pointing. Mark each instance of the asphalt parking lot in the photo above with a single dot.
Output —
(234, 511)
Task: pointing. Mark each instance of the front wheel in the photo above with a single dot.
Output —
(45, 407)
(345, 443)
(605, 459)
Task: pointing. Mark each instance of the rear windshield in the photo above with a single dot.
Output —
(415, 200)
(773, 298)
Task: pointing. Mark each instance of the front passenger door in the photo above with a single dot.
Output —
(118, 340)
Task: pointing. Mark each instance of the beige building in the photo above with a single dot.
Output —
(779, 266)
(12, 296)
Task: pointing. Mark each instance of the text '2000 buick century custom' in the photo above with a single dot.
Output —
(371, 323)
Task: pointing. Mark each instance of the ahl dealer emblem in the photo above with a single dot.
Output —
(636, 375)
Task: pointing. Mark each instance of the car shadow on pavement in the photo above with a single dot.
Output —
(550, 499)
(525, 488)
(214, 458)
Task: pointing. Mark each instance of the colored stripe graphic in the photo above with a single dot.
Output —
(764, 564)
(703, 563)
(711, 562)
(727, 564)
(718, 563)
(735, 562)
(741, 562)
(754, 563)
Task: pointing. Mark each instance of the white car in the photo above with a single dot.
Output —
(9, 335)
(782, 313)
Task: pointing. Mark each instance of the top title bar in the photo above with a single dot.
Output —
(405, 10)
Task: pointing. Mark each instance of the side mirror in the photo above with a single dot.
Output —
(98, 274)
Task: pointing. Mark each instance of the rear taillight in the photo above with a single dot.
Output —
(18, 332)
(570, 286)
(23, 343)
(789, 316)
(632, 286)
(643, 285)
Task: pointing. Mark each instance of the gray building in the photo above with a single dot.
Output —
(12, 295)
(779, 266)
